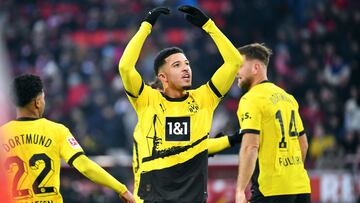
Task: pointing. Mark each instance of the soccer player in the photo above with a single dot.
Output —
(33, 147)
(171, 137)
(274, 143)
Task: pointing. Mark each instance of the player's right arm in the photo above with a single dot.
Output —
(131, 78)
(250, 116)
(94, 172)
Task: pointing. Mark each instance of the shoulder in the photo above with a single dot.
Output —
(53, 124)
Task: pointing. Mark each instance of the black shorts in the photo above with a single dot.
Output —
(299, 198)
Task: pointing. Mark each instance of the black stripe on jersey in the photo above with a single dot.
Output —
(302, 133)
(214, 89)
(72, 159)
(141, 89)
(26, 119)
(137, 156)
(131, 95)
(176, 99)
(185, 182)
(243, 131)
(173, 150)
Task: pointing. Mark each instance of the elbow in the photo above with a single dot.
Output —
(236, 61)
(305, 147)
(251, 149)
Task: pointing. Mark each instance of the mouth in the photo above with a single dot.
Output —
(186, 76)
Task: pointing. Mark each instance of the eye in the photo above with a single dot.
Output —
(187, 63)
(176, 65)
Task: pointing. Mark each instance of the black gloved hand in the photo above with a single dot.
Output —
(154, 14)
(194, 15)
(235, 138)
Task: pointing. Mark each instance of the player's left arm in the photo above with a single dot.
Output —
(304, 146)
(94, 172)
(225, 75)
(303, 142)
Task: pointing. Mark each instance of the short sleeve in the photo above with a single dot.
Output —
(143, 100)
(70, 149)
(249, 115)
(211, 95)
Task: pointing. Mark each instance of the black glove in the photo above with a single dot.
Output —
(235, 138)
(194, 15)
(154, 14)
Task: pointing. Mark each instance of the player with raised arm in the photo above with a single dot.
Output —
(274, 142)
(171, 137)
(34, 146)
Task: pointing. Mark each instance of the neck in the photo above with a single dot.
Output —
(23, 112)
(258, 80)
(174, 93)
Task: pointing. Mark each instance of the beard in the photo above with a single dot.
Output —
(245, 84)
(188, 87)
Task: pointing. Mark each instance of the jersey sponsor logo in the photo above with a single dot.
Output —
(72, 141)
(177, 129)
(245, 116)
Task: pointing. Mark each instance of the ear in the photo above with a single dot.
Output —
(162, 77)
(257, 67)
(37, 102)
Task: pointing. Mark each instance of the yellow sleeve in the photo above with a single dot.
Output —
(219, 144)
(69, 147)
(97, 174)
(249, 115)
(225, 75)
(131, 78)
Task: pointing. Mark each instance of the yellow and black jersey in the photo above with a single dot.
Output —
(171, 142)
(171, 136)
(272, 113)
(33, 149)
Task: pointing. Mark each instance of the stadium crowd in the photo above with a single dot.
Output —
(75, 47)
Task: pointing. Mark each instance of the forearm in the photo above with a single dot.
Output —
(219, 144)
(131, 78)
(303, 146)
(248, 157)
(225, 75)
(97, 174)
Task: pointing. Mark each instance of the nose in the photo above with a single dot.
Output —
(186, 68)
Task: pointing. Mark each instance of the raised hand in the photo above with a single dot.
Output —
(154, 14)
(194, 15)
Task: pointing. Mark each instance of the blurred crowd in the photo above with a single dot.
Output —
(75, 47)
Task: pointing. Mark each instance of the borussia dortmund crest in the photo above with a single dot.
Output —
(193, 107)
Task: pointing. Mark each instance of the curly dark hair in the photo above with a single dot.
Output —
(162, 55)
(26, 88)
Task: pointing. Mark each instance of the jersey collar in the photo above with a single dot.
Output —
(27, 119)
(176, 99)
(264, 81)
